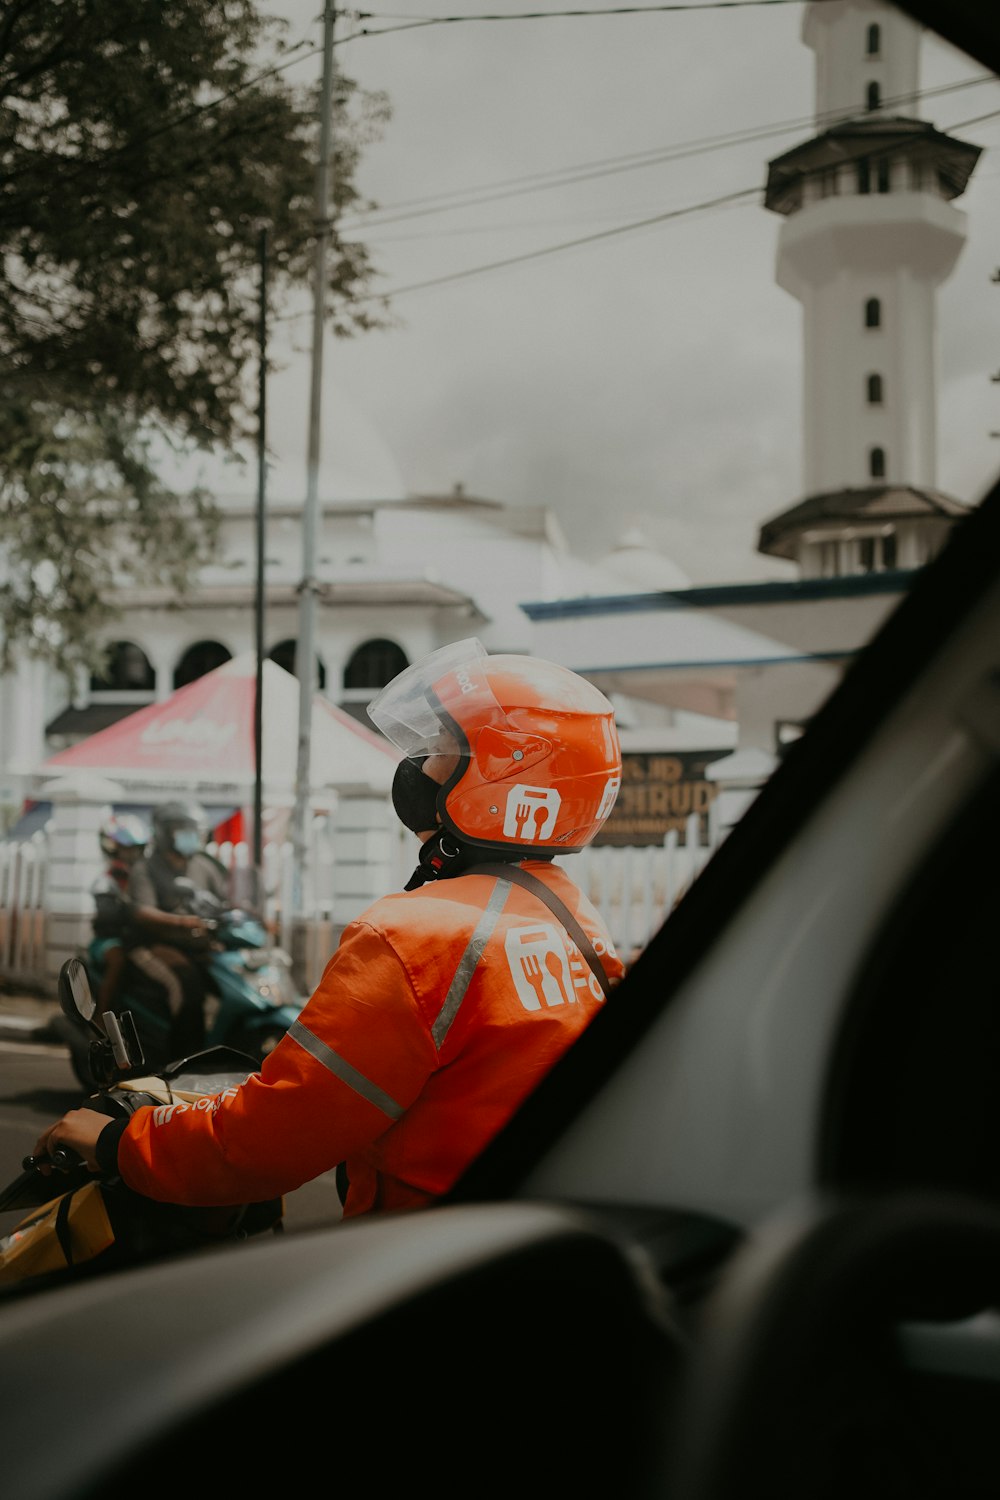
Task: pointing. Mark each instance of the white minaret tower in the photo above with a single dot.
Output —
(869, 234)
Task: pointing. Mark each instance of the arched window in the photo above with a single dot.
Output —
(874, 390)
(873, 96)
(864, 175)
(128, 671)
(202, 657)
(873, 313)
(883, 175)
(873, 41)
(373, 664)
(284, 654)
(876, 463)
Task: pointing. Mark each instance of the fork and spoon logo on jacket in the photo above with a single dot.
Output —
(530, 814)
(546, 968)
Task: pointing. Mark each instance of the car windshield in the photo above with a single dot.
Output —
(605, 1024)
(672, 361)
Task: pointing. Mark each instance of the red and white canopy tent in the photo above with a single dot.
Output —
(199, 743)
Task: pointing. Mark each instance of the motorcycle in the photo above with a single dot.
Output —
(251, 1002)
(81, 1224)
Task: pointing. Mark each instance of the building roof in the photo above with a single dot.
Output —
(538, 521)
(687, 649)
(637, 561)
(724, 596)
(382, 589)
(870, 135)
(452, 499)
(833, 509)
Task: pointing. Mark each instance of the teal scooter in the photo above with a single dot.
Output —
(251, 999)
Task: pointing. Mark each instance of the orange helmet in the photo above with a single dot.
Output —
(538, 759)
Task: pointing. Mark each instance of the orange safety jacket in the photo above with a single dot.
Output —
(440, 1011)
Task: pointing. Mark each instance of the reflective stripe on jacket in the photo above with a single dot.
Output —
(440, 1011)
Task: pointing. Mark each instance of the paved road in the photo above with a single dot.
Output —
(38, 1085)
(26, 1017)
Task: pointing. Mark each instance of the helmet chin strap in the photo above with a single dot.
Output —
(440, 856)
(444, 855)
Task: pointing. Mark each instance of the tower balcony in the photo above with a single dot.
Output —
(869, 233)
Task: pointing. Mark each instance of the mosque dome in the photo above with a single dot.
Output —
(637, 562)
(355, 462)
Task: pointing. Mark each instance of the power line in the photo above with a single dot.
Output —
(534, 182)
(538, 181)
(703, 206)
(546, 250)
(409, 24)
(302, 50)
(707, 204)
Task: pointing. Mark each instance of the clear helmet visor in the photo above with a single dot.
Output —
(411, 710)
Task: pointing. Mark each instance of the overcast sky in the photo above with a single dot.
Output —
(650, 377)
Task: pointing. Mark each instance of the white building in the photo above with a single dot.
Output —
(398, 575)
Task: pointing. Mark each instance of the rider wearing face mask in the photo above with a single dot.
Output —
(177, 853)
(172, 934)
(446, 1003)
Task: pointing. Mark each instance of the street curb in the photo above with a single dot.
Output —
(26, 1019)
(14, 1030)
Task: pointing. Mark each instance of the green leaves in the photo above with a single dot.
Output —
(142, 144)
(81, 513)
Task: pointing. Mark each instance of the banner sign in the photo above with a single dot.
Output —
(659, 792)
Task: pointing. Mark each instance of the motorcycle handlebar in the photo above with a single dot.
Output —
(63, 1158)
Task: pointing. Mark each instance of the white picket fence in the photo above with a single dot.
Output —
(634, 889)
(23, 874)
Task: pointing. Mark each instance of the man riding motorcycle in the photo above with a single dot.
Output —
(444, 1004)
(123, 839)
(159, 889)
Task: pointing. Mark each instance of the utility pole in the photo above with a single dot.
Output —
(305, 653)
(259, 596)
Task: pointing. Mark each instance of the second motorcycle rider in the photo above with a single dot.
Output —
(444, 1004)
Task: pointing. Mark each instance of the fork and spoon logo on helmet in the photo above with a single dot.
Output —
(530, 813)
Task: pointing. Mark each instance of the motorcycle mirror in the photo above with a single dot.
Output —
(75, 997)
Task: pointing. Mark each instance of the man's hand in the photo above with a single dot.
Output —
(199, 937)
(78, 1129)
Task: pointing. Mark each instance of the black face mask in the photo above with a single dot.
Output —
(414, 796)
